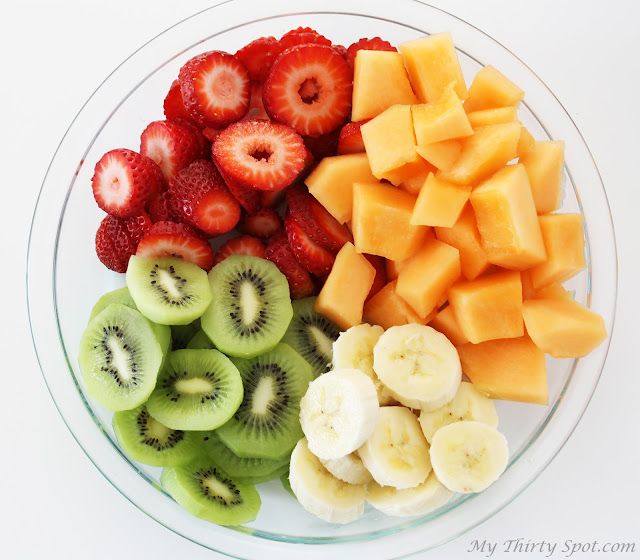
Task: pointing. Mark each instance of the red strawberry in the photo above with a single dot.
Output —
(169, 239)
(160, 208)
(215, 88)
(309, 88)
(321, 227)
(375, 44)
(269, 199)
(279, 252)
(340, 49)
(203, 200)
(322, 146)
(380, 279)
(258, 57)
(210, 133)
(264, 223)
(173, 106)
(302, 36)
(350, 139)
(123, 181)
(243, 245)
(248, 197)
(205, 143)
(312, 257)
(256, 107)
(266, 156)
(117, 239)
(171, 144)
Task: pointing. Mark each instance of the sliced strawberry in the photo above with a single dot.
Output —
(117, 239)
(160, 208)
(264, 155)
(203, 200)
(312, 257)
(263, 224)
(322, 146)
(215, 88)
(173, 106)
(171, 144)
(309, 88)
(256, 107)
(205, 143)
(123, 181)
(243, 245)
(269, 199)
(341, 50)
(321, 227)
(380, 279)
(364, 44)
(279, 252)
(302, 36)
(258, 57)
(247, 197)
(350, 139)
(210, 133)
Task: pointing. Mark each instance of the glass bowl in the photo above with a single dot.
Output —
(65, 278)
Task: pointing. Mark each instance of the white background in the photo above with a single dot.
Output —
(54, 503)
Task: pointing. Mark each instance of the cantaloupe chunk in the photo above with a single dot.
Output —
(388, 309)
(406, 175)
(544, 164)
(442, 155)
(432, 64)
(379, 81)
(381, 222)
(439, 203)
(553, 291)
(440, 120)
(446, 323)
(526, 142)
(512, 369)
(465, 237)
(563, 237)
(393, 269)
(490, 307)
(426, 277)
(490, 89)
(490, 148)
(528, 290)
(331, 182)
(563, 328)
(486, 117)
(344, 292)
(507, 219)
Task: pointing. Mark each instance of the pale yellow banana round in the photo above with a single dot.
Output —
(348, 468)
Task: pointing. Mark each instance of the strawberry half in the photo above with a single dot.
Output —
(322, 146)
(256, 107)
(350, 139)
(309, 88)
(160, 208)
(243, 245)
(279, 252)
(173, 106)
(302, 36)
(247, 197)
(364, 44)
(380, 279)
(203, 200)
(215, 88)
(117, 239)
(260, 154)
(258, 56)
(312, 257)
(263, 224)
(269, 199)
(123, 181)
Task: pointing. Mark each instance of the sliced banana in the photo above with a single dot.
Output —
(338, 412)
(468, 456)
(397, 454)
(354, 349)
(419, 365)
(422, 499)
(321, 493)
(348, 468)
(468, 404)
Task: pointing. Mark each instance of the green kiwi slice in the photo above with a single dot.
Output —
(168, 290)
(196, 390)
(148, 441)
(205, 490)
(251, 308)
(284, 480)
(265, 477)
(119, 357)
(266, 424)
(311, 335)
(182, 334)
(201, 341)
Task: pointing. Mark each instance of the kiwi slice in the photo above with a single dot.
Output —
(148, 441)
(182, 334)
(311, 335)
(201, 341)
(119, 357)
(251, 308)
(265, 477)
(266, 424)
(284, 480)
(205, 490)
(168, 290)
(196, 390)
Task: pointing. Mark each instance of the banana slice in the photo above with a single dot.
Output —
(397, 454)
(348, 468)
(468, 404)
(468, 456)
(354, 349)
(338, 412)
(419, 365)
(422, 499)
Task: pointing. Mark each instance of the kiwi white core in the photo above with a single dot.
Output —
(263, 396)
(250, 303)
(194, 386)
(120, 358)
(217, 488)
(157, 430)
(169, 283)
(323, 343)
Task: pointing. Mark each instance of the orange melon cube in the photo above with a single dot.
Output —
(465, 237)
(512, 369)
(408, 174)
(485, 117)
(528, 290)
(526, 142)
(490, 307)
(423, 281)
(381, 222)
(544, 164)
(439, 203)
(331, 183)
(441, 155)
(440, 120)
(446, 323)
(490, 89)
(563, 328)
(489, 149)
(344, 292)
(553, 291)
(507, 219)
(388, 309)
(379, 81)
(392, 269)
(563, 237)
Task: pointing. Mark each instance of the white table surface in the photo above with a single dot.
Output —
(55, 504)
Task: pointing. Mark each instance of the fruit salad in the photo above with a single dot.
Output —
(335, 259)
